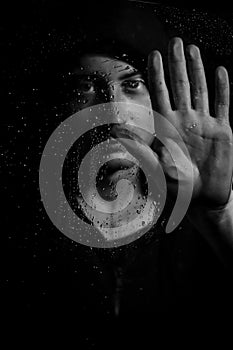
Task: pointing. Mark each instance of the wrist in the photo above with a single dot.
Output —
(221, 209)
(208, 206)
(212, 217)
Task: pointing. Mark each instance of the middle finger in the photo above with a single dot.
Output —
(178, 74)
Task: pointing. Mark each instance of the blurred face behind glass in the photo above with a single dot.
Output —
(100, 79)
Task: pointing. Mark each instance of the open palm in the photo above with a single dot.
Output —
(208, 139)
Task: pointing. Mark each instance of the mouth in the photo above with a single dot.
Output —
(112, 172)
(115, 164)
(124, 130)
(117, 156)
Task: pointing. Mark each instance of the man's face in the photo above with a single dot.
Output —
(100, 79)
(109, 95)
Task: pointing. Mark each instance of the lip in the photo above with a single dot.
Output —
(122, 129)
(115, 146)
(120, 163)
(121, 158)
(114, 152)
(113, 143)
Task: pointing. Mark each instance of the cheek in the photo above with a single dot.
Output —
(140, 115)
(146, 132)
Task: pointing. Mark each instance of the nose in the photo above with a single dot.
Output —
(118, 112)
(113, 92)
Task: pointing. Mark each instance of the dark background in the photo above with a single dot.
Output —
(31, 248)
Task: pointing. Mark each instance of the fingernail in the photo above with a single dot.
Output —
(153, 59)
(177, 48)
(221, 73)
(193, 52)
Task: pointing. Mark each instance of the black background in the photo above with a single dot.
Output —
(31, 248)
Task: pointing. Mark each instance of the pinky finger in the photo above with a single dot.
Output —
(222, 95)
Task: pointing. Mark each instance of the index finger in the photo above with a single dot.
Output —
(157, 86)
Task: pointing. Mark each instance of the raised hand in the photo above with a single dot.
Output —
(207, 138)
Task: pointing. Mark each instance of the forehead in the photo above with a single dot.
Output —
(104, 65)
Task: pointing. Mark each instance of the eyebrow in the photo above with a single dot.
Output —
(130, 75)
(121, 77)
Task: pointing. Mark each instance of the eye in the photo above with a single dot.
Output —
(86, 86)
(134, 84)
